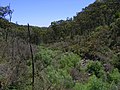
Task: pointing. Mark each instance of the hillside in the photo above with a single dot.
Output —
(80, 53)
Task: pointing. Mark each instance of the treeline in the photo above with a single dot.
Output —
(94, 28)
(91, 33)
(79, 53)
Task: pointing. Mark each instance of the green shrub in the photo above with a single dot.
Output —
(97, 84)
(45, 55)
(93, 83)
(59, 77)
(69, 60)
(80, 86)
(56, 67)
(114, 76)
(95, 67)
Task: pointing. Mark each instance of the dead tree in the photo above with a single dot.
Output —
(30, 46)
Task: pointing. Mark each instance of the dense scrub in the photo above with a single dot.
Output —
(80, 53)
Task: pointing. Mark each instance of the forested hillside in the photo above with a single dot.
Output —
(79, 53)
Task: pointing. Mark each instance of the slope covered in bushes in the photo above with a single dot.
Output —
(80, 53)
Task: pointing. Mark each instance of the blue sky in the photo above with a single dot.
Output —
(43, 12)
